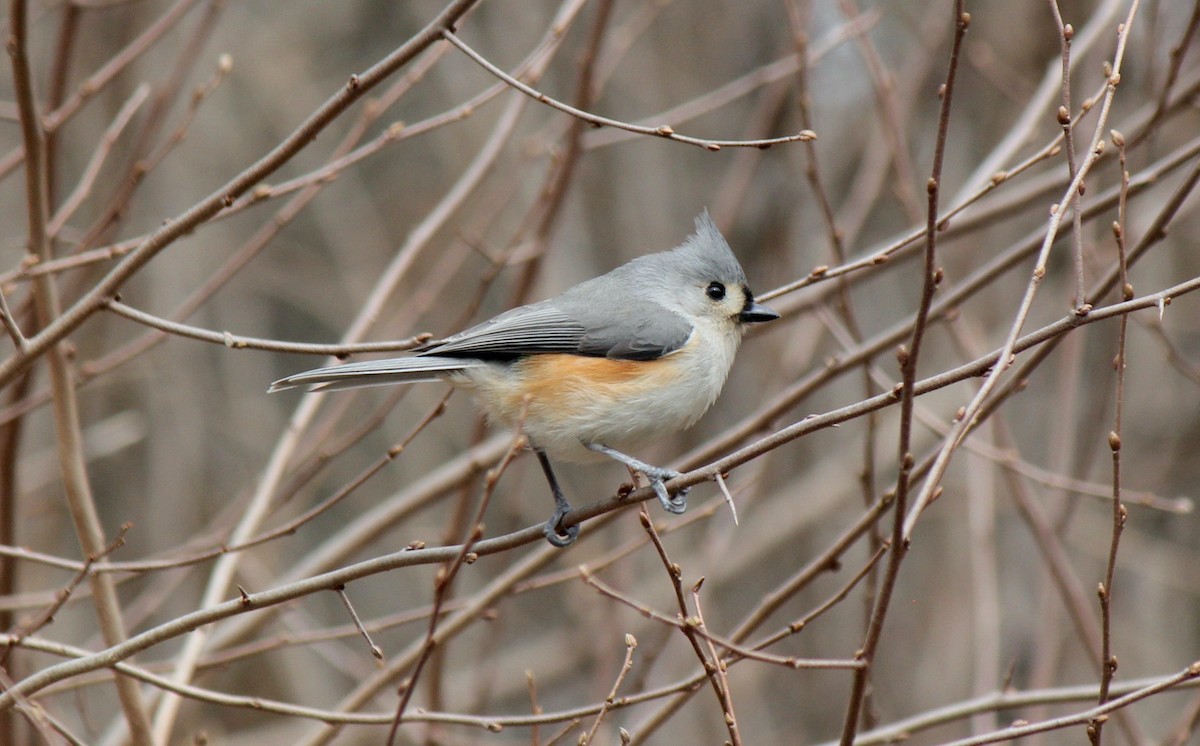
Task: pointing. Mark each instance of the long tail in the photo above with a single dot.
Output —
(376, 373)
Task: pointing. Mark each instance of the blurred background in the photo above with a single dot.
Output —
(443, 196)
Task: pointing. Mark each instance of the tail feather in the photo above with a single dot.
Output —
(376, 373)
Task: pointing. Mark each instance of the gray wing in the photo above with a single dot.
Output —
(528, 329)
(626, 336)
(589, 319)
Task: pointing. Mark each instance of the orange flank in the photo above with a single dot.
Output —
(564, 401)
(567, 383)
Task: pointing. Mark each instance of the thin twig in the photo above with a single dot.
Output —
(356, 87)
(730, 716)
(376, 652)
(829, 603)
(733, 650)
(1039, 272)
(31, 626)
(1065, 33)
(10, 323)
(720, 480)
(1177, 53)
(99, 156)
(675, 573)
(663, 131)
(535, 708)
(1046, 726)
(67, 422)
(998, 701)
(448, 572)
(1108, 661)
(630, 646)
(239, 342)
(908, 357)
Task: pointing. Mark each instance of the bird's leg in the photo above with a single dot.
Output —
(656, 474)
(561, 508)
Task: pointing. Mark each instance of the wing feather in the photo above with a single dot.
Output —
(585, 320)
(376, 373)
(521, 331)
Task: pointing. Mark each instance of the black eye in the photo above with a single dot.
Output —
(715, 290)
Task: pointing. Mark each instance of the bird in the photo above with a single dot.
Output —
(611, 363)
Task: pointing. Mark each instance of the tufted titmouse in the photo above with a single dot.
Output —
(635, 354)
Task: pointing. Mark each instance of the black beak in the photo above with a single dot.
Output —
(755, 313)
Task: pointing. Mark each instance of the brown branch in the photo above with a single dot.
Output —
(1108, 661)
(734, 651)
(972, 409)
(1000, 700)
(1065, 33)
(1177, 53)
(69, 439)
(103, 76)
(356, 88)
(630, 646)
(664, 131)
(1046, 726)
(798, 16)
(29, 627)
(99, 156)
(930, 279)
(689, 628)
(239, 342)
(448, 572)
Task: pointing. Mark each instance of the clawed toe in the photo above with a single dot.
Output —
(555, 533)
(657, 477)
(676, 504)
(656, 474)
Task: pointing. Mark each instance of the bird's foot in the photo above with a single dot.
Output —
(657, 475)
(676, 504)
(554, 531)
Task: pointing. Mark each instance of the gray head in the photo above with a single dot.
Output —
(650, 306)
(702, 278)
